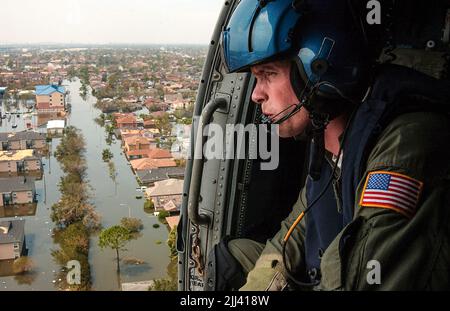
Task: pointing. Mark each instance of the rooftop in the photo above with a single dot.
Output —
(148, 164)
(149, 176)
(136, 139)
(171, 206)
(16, 155)
(16, 184)
(155, 153)
(173, 221)
(49, 89)
(12, 231)
(24, 135)
(55, 124)
(126, 119)
(166, 187)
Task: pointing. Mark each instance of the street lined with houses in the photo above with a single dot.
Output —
(135, 121)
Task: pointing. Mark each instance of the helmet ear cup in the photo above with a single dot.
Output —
(297, 82)
(319, 67)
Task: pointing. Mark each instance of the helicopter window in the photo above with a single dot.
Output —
(266, 196)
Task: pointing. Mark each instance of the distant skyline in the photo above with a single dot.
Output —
(108, 21)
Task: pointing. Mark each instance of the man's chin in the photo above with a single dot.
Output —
(283, 134)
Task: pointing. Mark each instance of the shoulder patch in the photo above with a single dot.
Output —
(393, 191)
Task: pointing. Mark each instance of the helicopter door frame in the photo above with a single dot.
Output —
(208, 194)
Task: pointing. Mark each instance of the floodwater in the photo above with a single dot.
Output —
(113, 200)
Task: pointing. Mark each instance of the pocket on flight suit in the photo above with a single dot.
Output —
(336, 258)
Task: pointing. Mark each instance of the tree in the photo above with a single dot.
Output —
(107, 155)
(162, 216)
(149, 206)
(163, 285)
(115, 238)
(23, 265)
(163, 124)
(172, 243)
(132, 224)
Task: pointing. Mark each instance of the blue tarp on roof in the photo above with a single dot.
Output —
(49, 89)
(2, 90)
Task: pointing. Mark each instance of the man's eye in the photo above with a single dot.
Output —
(270, 74)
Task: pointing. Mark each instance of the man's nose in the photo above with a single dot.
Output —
(259, 96)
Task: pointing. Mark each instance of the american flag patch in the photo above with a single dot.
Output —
(393, 191)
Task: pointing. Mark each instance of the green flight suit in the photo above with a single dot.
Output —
(413, 253)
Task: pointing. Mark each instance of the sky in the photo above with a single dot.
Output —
(108, 21)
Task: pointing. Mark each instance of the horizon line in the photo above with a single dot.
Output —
(109, 43)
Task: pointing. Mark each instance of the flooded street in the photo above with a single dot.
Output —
(112, 200)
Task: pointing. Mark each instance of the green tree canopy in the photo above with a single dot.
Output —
(115, 238)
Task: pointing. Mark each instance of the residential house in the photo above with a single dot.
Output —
(146, 164)
(157, 114)
(149, 124)
(153, 153)
(181, 131)
(12, 239)
(22, 140)
(55, 127)
(127, 122)
(124, 133)
(17, 190)
(173, 221)
(164, 192)
(140, 123)
(19, 161)
(170, 98)
(154, 132)
(149, 177)
(178, 104)
(50, 98)
(136, 143)
(181, 146)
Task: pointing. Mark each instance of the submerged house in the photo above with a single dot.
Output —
(12, 239)
(17, 190)
(55, 127)
(22, 140)
(50, 98)
(19, 161)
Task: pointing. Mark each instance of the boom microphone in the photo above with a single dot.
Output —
(266, 120)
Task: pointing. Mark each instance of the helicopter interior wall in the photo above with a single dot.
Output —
(271, 194)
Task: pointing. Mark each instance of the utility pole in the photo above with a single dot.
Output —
(50, 157)
(45, 188)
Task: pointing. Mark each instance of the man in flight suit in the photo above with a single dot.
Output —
(376, 204)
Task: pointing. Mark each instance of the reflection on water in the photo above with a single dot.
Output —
(113, 198)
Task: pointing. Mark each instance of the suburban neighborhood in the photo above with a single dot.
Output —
(74, 120)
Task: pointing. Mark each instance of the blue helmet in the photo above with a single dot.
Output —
(324, 37)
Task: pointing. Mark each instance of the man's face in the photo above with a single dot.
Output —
(273, 91)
